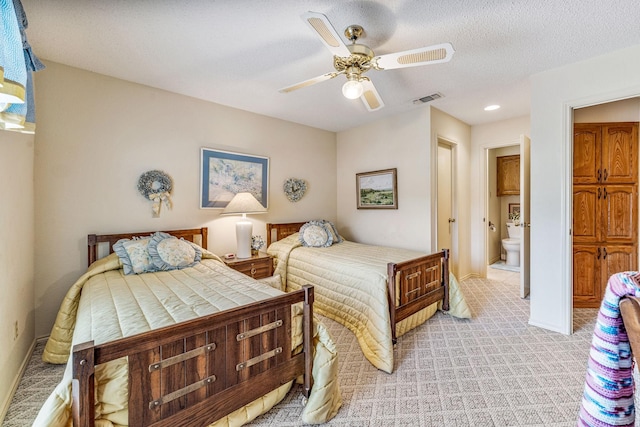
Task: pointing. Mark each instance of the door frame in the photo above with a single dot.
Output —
(567, 225)
(454, 197)
(484, 172)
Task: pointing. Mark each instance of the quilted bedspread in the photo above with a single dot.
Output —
(350, 281)
(115, 305)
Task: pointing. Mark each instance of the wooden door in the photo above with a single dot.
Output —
(619, 153)
(586, 213)
(587, 287)
(605, 206)
(617, 258)
(586, 154)
(619, 213)
(445, 211)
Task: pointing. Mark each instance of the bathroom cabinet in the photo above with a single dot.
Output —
(508, 175)
(605, 206)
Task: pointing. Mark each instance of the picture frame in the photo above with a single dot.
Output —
(514, 210)
(223, 174)
(377, 189)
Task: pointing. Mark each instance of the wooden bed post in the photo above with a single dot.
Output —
(307, 336)
(92, 248)
(445, 279)
(82, 385)
(391, 296)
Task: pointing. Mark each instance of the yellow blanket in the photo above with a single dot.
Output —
(350, 281)
(115, 305)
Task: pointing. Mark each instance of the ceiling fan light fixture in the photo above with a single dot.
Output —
(352, 89)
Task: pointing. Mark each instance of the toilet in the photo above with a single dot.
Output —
(512, 244)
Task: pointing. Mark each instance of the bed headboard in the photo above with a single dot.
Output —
(277, 232)
(195, 235)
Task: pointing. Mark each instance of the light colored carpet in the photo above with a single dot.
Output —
(492, 370)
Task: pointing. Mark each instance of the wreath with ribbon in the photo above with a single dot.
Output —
(156, 186)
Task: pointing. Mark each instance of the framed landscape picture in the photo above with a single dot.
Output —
(223, 174)
(377, 189)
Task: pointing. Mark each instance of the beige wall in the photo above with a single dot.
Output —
(400, 142)
(493, 210)
(16, 259)
(626, 110)
(97, 135)
(458, 134)
(407, 142)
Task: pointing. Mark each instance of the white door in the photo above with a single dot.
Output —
(525, 170)
(446, 220)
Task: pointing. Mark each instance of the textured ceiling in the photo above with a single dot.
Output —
(240, 52)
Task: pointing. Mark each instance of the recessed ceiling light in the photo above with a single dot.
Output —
(491, 107)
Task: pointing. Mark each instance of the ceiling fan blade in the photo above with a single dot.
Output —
(435, 54)
(309, 82)
(370, 97)
(321, 25)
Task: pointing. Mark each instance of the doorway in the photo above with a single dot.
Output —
(501, 207)
(605, 138)
(446, 233)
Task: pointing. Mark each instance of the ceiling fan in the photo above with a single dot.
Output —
(356, 59)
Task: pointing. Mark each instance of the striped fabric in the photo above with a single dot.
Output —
(608, 391)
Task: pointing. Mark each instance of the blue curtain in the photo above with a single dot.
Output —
(17, 62)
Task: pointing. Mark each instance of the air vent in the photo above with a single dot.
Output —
(428, 98)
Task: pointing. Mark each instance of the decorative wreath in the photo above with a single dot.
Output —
(294, 189)
(156, 186)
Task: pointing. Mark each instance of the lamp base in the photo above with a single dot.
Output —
(243, 239)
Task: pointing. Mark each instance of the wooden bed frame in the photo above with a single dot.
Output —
(196, 235)
(413, 284)
(198, 371)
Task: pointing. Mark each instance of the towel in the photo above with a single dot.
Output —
(608, 392)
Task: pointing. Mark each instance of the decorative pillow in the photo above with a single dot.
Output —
(169, 253)
(314, 234)
(331, 228)
(134, 255)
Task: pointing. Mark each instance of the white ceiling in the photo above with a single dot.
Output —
(240, 52)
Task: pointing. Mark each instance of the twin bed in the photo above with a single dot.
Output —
(197, 343)
(378, 292)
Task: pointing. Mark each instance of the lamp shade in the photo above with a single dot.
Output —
(244, 203)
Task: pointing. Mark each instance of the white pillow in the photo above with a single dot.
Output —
(169, 253)
(134, 255)
(331, 228)
(314, 234)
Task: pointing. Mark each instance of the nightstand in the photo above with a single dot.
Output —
(258, 266)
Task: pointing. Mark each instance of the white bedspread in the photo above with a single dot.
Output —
(350, 281)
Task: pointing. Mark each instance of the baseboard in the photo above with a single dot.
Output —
(495, 259)
(467, 276)
(16, 382)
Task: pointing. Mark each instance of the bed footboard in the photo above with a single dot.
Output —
(416, 284)
(196, 372)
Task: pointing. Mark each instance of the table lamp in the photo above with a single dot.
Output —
(244, 203)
